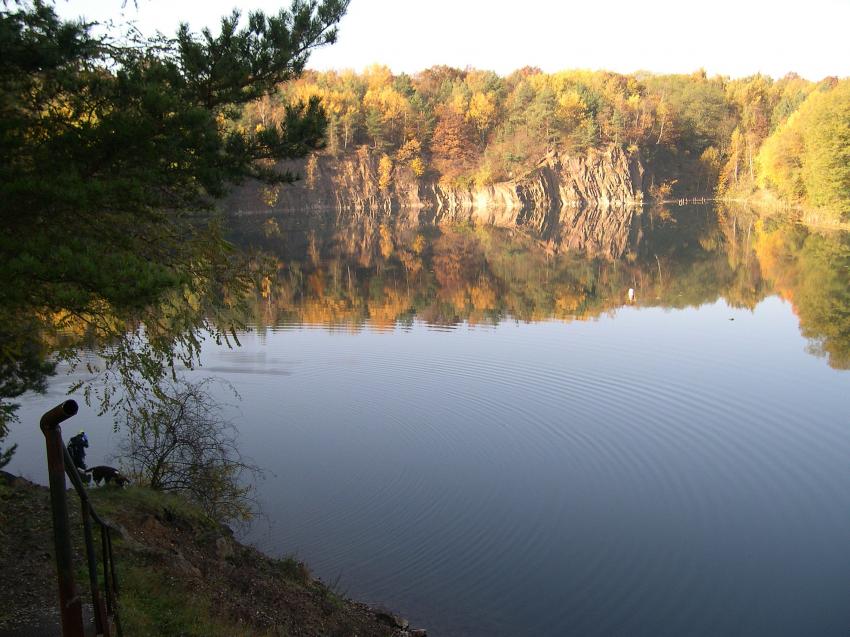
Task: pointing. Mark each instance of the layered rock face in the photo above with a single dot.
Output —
(587, 203)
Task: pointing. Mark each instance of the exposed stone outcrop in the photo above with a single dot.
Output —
(350, 182)
(585, 203)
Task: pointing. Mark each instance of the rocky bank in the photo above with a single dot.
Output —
(180, 574)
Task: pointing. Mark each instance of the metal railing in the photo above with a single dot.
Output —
(105, 608)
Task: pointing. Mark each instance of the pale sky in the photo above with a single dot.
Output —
(729, 37)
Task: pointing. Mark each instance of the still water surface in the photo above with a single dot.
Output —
(492, 440)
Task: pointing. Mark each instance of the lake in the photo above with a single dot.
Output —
(491, 437)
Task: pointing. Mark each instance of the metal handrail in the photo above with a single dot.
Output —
(59, 463)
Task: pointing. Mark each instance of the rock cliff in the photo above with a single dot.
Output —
(587, 203)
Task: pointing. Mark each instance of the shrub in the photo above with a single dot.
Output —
(181, 442)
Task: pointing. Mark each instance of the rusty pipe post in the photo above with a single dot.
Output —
(110, 604)
(101, 624)
(116, 589)
(70, 604)
(115, 614)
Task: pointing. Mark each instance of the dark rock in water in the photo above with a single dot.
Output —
(417, 632)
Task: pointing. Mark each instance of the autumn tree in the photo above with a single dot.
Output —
(826, 159)
(454, 143)
(808, 158)
(482, 112)
(385, 172)
(411, 154)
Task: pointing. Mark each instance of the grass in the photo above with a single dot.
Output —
(154, 604)
(110, 501)
(291, 569)
(153, 601)
(177, 577)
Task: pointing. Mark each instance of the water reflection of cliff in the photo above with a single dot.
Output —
(352, 270)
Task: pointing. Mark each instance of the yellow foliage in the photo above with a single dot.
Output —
(482, 111)
(459, 101)
(483, 296)
(271, 228)
(808, 157)
(571, 108)
(386, 241)
(410, 153)
(385, 172)
(311, 168)
(735, 153)
(779, 161)
(772, 252)
(410, 261)
(711, 158)
(271, 195)
(455, 297)
(409, 150)
(386, 312)
(378, 76)
(313, 250)
(391, 104)
(316, 284)
(324, 310)
(417, 166)
(568, 300)
(484, 175)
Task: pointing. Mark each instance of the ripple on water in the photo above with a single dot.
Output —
(525, 476)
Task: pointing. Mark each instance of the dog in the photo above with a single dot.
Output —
(105, 474)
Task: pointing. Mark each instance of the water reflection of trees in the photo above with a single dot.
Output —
(385, 271)
(811, 270)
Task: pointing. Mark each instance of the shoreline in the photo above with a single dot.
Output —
(180, 573)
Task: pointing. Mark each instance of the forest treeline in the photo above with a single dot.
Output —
(697, 135)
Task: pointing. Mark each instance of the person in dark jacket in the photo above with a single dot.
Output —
(77, 449)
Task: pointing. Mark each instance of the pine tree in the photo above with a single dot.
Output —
(108, 150)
